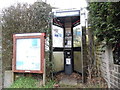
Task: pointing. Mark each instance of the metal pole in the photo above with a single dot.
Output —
(83, 46)
(84, 55)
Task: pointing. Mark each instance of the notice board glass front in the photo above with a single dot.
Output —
(28, 53)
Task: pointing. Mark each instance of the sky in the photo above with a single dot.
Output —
(62, 4)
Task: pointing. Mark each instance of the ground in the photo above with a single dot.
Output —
(75, 81)
(60, 81)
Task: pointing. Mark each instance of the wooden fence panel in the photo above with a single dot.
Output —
(109, 71)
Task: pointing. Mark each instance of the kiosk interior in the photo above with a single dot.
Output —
(66, 41)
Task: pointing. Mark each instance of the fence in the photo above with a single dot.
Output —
(105, 63)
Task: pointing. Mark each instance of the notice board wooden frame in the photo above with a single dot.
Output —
(29, 36)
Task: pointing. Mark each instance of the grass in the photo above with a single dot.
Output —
(25, 82)
(30, 82)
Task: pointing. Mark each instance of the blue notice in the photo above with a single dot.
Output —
(35, 42)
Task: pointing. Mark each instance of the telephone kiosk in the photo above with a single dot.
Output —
(64, 21)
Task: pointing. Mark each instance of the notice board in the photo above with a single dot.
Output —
(28, 53)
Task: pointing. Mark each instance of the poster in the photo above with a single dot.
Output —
(57, 36)
(28, 54)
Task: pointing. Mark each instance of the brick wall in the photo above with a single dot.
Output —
(109, 71)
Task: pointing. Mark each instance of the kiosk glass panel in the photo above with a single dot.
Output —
(57, 36)
(58, 59)
(77, 61)
(77, 36)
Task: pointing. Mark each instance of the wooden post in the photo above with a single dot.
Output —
(84, 55)
(91, 45)
(13, 77)
(109, 61)
(44, 73)
(50, 42)
(91, 55)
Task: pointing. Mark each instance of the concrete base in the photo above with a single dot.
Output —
(67, 81)
(8, 79)
(1, 74)
(1, 79)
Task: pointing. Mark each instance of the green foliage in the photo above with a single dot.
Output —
(49, 66)
(29, 82)
(25, 82)
(104, 18)
(22, 18)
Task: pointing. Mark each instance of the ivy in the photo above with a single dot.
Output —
(104, 18)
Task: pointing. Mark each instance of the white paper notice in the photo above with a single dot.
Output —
(57, 36)
(28, 54)
(68, 61)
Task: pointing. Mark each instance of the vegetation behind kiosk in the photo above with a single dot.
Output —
(66, 37)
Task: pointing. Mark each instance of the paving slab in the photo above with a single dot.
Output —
(68, 81)
(8, 79)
